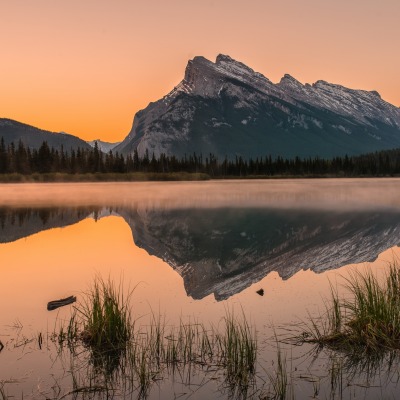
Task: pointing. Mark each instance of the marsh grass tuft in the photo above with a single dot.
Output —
(367, 322)
(101, 322)
(105, 315)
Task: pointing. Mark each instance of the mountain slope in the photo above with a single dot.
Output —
(13, 131)
(228, 109)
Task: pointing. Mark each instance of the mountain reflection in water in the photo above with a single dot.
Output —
(222, 251)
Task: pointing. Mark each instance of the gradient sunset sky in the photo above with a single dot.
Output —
(87, 66)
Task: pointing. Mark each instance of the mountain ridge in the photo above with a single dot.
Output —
(227, 108)
(33, 137)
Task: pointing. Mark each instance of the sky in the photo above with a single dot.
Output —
(87, 66)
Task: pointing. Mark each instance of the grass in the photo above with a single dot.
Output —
(279, 379)
(280, 385)
(101, 322)
(239, 351)
(105, 316)
(367, 322)
(121, 348)
(113, 354)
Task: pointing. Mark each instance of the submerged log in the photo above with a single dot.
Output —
(52, 305)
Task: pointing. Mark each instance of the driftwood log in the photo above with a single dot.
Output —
(52, 305)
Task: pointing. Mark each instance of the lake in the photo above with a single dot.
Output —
(191, 252)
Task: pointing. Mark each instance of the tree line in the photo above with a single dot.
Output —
(23, 160)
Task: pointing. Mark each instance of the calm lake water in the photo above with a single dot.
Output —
(192, 252)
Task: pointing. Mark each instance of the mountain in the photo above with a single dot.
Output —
(226, 108)
(13, 131)
(105, 147)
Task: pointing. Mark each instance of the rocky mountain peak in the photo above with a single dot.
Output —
(235, 69)
(197, 69)
(375, 93)
(205, 78)
(227, 108)
(321, 84)
(231, 66)
(289, 78)
(288, 82)
(224, 58)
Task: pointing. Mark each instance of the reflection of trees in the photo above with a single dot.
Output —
(44, 215)
(11, 215)
(16, 223)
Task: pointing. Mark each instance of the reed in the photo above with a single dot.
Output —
(141, 366)
(140, 354)
(278, 388)
(368, 321)
(105, 316)
(238, 351)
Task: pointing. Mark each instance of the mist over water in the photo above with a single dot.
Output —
(323, 194)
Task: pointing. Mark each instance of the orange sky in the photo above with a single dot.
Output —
(86, 67)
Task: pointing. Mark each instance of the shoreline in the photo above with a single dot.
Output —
(161, 177)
